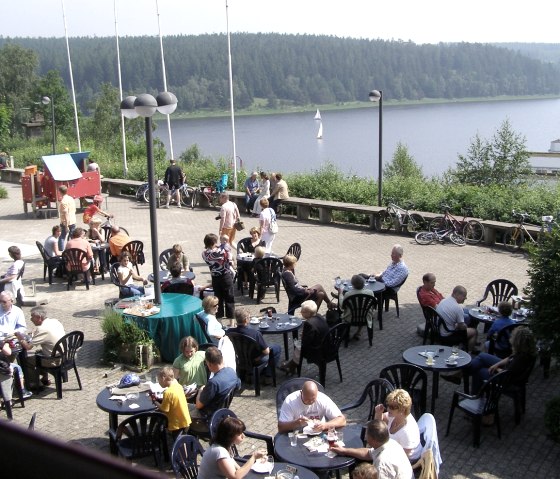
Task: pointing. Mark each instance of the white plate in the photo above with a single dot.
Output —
(254, 321)
(451, 363)
(261, 467)
(264, 326)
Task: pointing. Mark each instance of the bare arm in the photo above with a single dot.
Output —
(361, 453)
(231, 470)
(288, 426)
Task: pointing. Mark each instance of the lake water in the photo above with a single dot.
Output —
(434, 135)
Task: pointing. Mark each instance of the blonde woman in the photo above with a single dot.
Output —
(403, 428)
(268, 225)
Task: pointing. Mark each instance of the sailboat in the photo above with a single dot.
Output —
(320, 132)
(317, 115)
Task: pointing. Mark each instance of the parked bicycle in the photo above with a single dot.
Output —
(211, 192)
(448, 230)
(187, 194)
(394, 214)
(517, 235)
(472, 230)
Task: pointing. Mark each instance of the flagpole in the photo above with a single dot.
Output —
(71, 79)
(231, 101)
(164, 80)
(125, 166)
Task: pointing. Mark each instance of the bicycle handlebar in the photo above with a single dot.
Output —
(520, 215)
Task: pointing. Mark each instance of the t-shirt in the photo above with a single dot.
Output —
(228, 214)
(49, 246)
(208, 468)
(173, 176)
(217, 389)
(12, 320)
(174, 405)
(116, 242)
(293, 408)
(89, 213)
(191, 370)
(390, 461)
(408, 436)
(451, 313)
(47, 334)
(214, 328)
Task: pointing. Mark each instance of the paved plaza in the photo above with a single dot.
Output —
(327, 252)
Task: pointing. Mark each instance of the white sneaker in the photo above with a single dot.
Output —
(178, 206)
(165, 206)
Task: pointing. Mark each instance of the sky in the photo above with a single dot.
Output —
(421, 21)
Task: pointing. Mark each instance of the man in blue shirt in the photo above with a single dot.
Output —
(396, 272)
(504, 309)
(251, 186)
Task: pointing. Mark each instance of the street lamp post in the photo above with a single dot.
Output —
(145, 105)
(45, 101)
(377, 96)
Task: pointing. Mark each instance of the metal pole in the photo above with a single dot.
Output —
(380, 175)
(53, 126)
(232, 111)
(123, 131)
(153, 217)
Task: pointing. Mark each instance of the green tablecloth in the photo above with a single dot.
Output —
(175, 321)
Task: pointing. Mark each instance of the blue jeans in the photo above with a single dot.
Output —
(275, 350)
(132, 290)
(478, 369)
(65, 232)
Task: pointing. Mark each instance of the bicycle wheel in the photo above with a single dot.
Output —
(187, 197)
(457, 238)
(385, 221)
(146, 194)
(425, 237)
(514, 238)
(215, 199)
(163, 197)
(438, 223)
(473, 231)
(140, 192)
(415, 223)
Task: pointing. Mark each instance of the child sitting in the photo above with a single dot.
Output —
(174, 402)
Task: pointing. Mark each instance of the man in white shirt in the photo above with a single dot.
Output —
(301, 407)
(387, 455)
(454, 317)
(12, 318)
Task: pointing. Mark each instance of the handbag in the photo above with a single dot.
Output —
(273, 224)
(239, 225)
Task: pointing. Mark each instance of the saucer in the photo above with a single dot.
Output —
(254, 321)
(451, 363)
(264, 326)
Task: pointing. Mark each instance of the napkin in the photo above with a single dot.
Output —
(316, 445)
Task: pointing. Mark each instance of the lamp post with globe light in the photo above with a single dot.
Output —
(377, 96)
(145, 105)
(45, 101)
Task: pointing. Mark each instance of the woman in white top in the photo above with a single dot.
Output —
(214, 328)
(267, 223)
(217, 461)
(9, 281)
(264, 192)
(402, 425)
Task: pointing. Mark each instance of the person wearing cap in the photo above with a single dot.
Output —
(251, 186)
(94, 209)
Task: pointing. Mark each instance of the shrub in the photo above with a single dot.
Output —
(3, 193)
(552, 418)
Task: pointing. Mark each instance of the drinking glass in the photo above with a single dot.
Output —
(454, 350)
(331, 436)
(340, 437)
(430, 358)
(293, 438)
(270, 461)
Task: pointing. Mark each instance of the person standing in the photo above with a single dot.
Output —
(174, 179)
(229, 214)
(279, 193)
(251, 186)
(10, 281)
(268, 225)
(264, 192)
(67, 214)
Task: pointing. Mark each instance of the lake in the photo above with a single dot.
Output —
(434, 135)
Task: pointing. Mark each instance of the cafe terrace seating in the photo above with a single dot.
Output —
(49, 264)
(413, 379)
(62, 360)
(220, 415)
(202, 430)
(485, 403)
(288, 387)
(136, 250)
(142, 435)
(501, 337)
(376, 391)
(393, 294)
(435, 324)
(246, 350)
(164, 258)
(500, 290)
(430, 459)
(359, 306)
(114, 275)
(268, 272)
(184, 456)
(518, 391)
(294, 250)
(326, 353)
(74, 260)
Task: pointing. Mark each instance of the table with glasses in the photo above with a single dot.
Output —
(175, 320)
(123, 408)
(417, 355)
(488, 317)
(302, 472)
(317, 461)
(278, 323)
(165, 275)
(376, 287)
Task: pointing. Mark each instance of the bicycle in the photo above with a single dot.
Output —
(515, 237)
(448, 231)
(472, 230)
(412, 222)
(210, 192)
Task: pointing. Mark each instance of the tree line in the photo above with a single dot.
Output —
(292, 70)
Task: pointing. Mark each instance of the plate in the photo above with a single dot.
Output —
(261, 467)
(254, 321)
(371, 280)
(451, 363)
(264, 326)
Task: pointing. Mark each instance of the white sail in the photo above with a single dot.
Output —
(317, 115)
(320, 132)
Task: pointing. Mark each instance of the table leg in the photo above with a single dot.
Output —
(435, 389)
(113, 424)
(286, 353)
(379, 297)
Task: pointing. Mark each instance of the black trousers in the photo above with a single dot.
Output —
(223, 290)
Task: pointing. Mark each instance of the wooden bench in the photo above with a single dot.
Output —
(114, 186)
(491, 228)
(11, 175)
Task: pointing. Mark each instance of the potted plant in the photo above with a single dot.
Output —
(125, 342)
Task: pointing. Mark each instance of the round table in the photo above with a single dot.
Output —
(415, 355)
(175, 320)
(114, 408)
(376, 287)
(164, 275)
(302, 472)
(317, 461)
(287, 326)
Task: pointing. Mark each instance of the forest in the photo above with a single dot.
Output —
(292, 70)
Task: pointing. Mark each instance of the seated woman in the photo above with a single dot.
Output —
(178, 257)
(213, 328)
(9, 281)
(298, 293)
(519, 363)
(176, 284)
(218, 462)
(402, 425)
(127, 276)
(189, 366)
(95, 236)
(358, 283)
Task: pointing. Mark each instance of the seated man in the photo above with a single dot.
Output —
(45, 335)
(117, 240)
(454, 318)
(79, 242)
(358, 283)
(396, 272)
(251, 186)
(301, 407)
(211, 396)
(177, 284)
(387, 455)
(428, 295)
(54, 254)
(127, 276)
(242, 319)
(505, 309)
